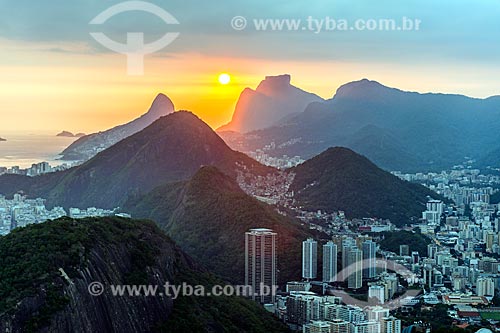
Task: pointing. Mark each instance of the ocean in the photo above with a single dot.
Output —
(26, 149)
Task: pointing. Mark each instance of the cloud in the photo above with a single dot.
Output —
(450, 29)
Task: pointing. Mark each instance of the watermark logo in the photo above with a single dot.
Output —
(380, 265)
(318, 25)
(96, 288)
(239, 23)
(174, 291)
(135, 48)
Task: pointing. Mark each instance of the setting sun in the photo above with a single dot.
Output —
(224, 78)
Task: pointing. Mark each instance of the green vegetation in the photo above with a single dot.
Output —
(208, 217)
(30, 259)
(217, 314)
(416, 241)
(436, 316)
(490, 315)
(35, 253)
(495, 198)
(339, 179)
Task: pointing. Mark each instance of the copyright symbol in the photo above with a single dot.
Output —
(96, 289)
(238, 23)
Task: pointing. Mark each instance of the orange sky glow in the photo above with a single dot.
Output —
(91, 92)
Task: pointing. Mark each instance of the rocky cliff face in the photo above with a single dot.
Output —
(109, 264)
(47, 290)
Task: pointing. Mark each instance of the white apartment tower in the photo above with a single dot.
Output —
(369, 259)
(329, 262)
(354, 268)
(309, 259)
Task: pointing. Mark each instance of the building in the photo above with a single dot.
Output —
(404, 250)
(369, 259)
(461, 299)
(304, 307)
(309, 259)
(351, 314)
(485, 287)
(415, 257)
(434, 210)
(376, 313)
(329, 262)
(365, 327)
(297, 286)
(390, 325)
(431, 251)
(354, 269)
(347, 244)
(339, 326)
(317, 327)
(377, 292)
(489, 240)
(391, 283)
(260, 263)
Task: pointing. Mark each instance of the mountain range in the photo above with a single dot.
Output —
(180, 173)
(208, 217)
(171, 149)
(397, 130)
(274, 100)
(46, 270)
(88, 146)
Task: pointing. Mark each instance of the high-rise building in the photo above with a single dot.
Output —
(309, 259)
(369, 259)
(354, 268)
(329, 262)
(489, 240)
(434, 210)
(260, 263)
(347, 244)
(391, 283)
(415, 257)
(431, 251)
(485, 287)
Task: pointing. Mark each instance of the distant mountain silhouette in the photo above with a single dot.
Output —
(398, 130)
(274, 99)
(66, 134)
(89, 145)
(173, 148)
(340, 179)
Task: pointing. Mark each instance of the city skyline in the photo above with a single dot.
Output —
(330, 166)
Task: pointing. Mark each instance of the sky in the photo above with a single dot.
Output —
(55, 76)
